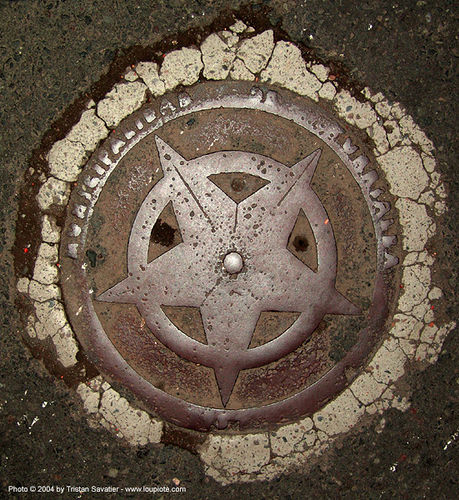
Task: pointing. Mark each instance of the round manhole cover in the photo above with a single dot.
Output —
(232, 242)
(224, 255)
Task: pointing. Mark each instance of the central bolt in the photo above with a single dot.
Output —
(233, 263)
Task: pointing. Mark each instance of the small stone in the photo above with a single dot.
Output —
(255, 52)
(113, 473)
(121, 101)
(181, 67)
(229, 38)
(238, 27)
(149, 72)
(53, 192)
(131, 75)
(233, 263)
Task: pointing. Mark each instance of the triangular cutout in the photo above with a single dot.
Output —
(188, 320)
(226, 377)
(238, 185)
(270, 325)
(165, 234)
(301, 242)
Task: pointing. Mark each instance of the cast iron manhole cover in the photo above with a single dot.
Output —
(224, 256)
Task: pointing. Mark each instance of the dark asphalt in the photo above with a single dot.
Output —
(51, 52)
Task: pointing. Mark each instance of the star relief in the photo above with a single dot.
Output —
(233, 262)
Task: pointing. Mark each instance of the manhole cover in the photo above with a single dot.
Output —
(238, 245)
(224, 255)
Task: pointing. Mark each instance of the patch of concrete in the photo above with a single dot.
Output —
(327, 91)
(53, 192)
(149, 73)
(405, 172)
(118, 415)
(66, 159)
(46, 271)
(417, 226)
(217, 57)
(89, 131)
(239, 71)
(181, 67)
(359, 114)
(288, 69)
(234, 454)
(50, 232)
(256, 51)
(120, 102)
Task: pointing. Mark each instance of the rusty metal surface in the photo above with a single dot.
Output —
(224, 256)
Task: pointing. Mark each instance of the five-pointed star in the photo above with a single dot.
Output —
(213, 225)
